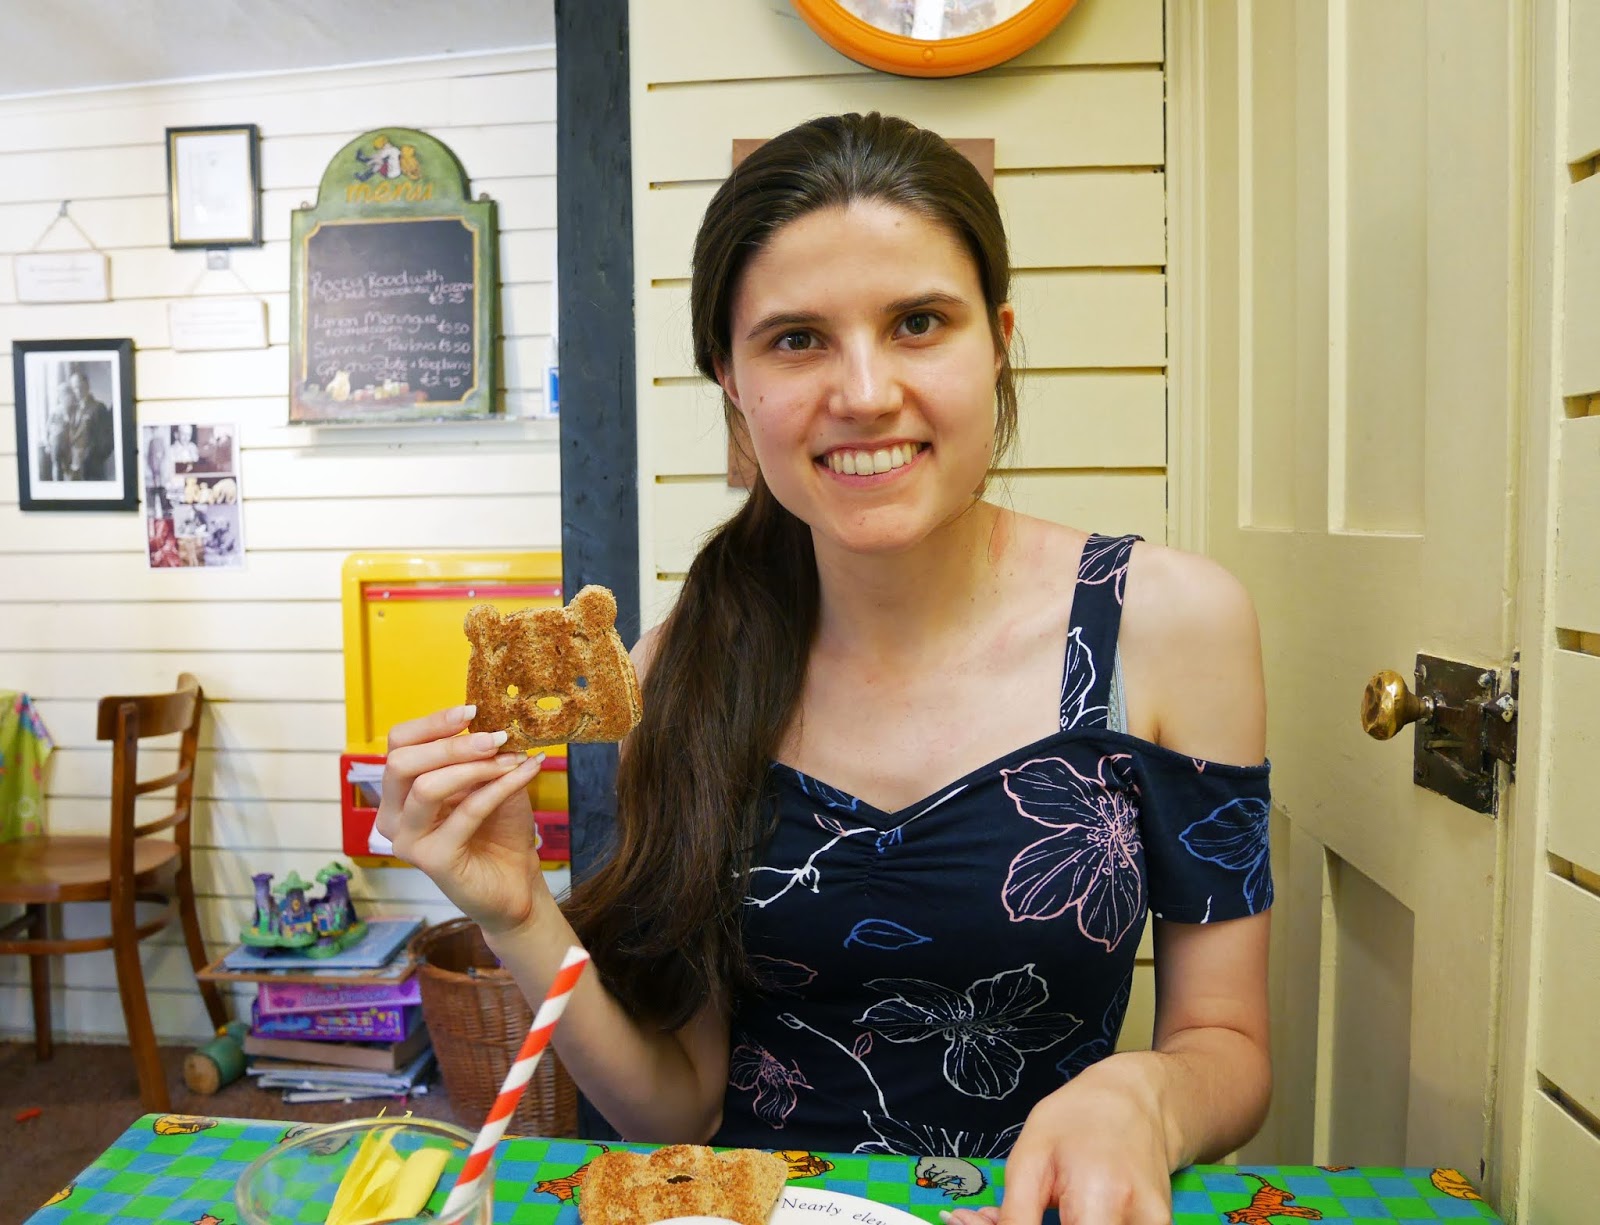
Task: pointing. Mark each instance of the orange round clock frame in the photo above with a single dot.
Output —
(915, 57)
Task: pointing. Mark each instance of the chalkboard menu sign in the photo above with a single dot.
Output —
(393, 289)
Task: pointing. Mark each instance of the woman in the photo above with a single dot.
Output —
(930, 951)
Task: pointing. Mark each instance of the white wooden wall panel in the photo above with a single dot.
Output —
(282, 676)
(764, 31)
(81, 615)
(302, 575)
(1574, 747)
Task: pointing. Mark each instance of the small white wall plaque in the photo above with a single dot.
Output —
(62, 276)
(218, 323)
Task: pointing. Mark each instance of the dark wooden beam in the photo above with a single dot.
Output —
(599, 434)
(599, 424)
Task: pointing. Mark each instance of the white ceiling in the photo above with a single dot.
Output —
(51, 45)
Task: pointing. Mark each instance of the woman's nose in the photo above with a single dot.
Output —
(868, 382)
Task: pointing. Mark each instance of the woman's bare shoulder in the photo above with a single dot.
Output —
(1191, 646)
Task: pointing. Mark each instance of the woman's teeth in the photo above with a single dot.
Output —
(868, 463)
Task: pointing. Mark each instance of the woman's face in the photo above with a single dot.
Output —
(863, 364)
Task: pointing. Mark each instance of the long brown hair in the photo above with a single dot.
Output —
(663, 917)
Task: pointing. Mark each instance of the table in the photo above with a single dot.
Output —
(181, 1168)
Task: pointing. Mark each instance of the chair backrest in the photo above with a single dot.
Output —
(127, 720)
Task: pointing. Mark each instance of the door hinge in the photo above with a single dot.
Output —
(1469, 724)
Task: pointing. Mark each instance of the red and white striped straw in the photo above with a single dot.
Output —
(544, 1023)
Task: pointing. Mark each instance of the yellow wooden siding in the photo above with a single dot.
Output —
(1078, 117)
(1577, 545)
(1564, 1169)
(1573, 748)
(1583, 83)
(772, 43)
(1569, 989)
(82, 615)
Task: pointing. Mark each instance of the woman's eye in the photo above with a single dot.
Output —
(919, 324)
(795, 342)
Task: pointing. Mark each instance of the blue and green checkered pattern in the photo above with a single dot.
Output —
(181, 1169)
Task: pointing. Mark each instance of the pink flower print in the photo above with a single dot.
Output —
(1105, 560)
(751, 1067)
(1090, 862)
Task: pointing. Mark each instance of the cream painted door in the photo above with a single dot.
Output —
(1360, 341)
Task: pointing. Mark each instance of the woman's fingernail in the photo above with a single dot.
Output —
(946, 1217)
(484, 741)
(463, 714)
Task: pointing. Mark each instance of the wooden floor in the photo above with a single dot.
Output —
(87, 1096)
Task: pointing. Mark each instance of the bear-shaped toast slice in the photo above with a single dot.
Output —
(552, 675)
(623, 1188)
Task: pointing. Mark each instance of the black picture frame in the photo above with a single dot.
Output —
(219, 165)
(77, 448)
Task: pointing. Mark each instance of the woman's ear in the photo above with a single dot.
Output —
(725, 379)
(1007, 316)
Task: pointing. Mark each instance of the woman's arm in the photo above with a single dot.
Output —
(1102, 1147)
(459, 811)
(1199, 644)
(661, 1087)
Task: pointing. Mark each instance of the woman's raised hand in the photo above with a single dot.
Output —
(457, 807)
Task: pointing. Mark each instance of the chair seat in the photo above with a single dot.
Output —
(72, 867)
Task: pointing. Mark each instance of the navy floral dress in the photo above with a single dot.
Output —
(936, 971)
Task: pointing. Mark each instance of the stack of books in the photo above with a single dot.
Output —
(339, 1027)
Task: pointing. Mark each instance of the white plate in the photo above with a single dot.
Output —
(808, 1205)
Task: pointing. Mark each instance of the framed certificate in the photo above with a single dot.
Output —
(214, 186)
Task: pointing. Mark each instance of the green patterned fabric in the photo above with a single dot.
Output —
(25, 746)
(181, 1169)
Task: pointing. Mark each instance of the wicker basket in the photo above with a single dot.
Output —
(478, 1020)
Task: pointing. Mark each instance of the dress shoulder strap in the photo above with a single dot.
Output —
(1092, 635)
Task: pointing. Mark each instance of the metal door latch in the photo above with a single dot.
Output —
(1465, 723)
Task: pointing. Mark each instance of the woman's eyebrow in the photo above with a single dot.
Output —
(934, 297)
(783, 319)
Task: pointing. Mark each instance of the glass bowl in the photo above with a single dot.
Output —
(293, 1183)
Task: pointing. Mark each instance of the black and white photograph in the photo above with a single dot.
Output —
(191, 496)
(75, 435)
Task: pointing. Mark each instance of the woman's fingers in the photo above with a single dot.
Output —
(417, 809)
(441, 745)
(464, 819)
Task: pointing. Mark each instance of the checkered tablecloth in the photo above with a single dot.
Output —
(182, 1168)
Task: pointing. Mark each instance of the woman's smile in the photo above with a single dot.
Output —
(871, 465)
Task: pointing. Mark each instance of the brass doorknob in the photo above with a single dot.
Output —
(1388, 705)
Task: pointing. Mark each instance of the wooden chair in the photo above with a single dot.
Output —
(126, 868)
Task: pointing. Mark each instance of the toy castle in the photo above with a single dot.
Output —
(316, 926)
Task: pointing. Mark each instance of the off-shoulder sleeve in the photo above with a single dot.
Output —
(1204, 828)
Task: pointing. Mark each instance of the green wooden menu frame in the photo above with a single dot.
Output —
(394, 292)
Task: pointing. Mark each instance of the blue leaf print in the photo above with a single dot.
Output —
(889, 838)
(884, 934)
(1235, 837)
(830, 797)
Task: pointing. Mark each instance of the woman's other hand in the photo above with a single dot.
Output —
(457, 807)
(1095, 1149)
